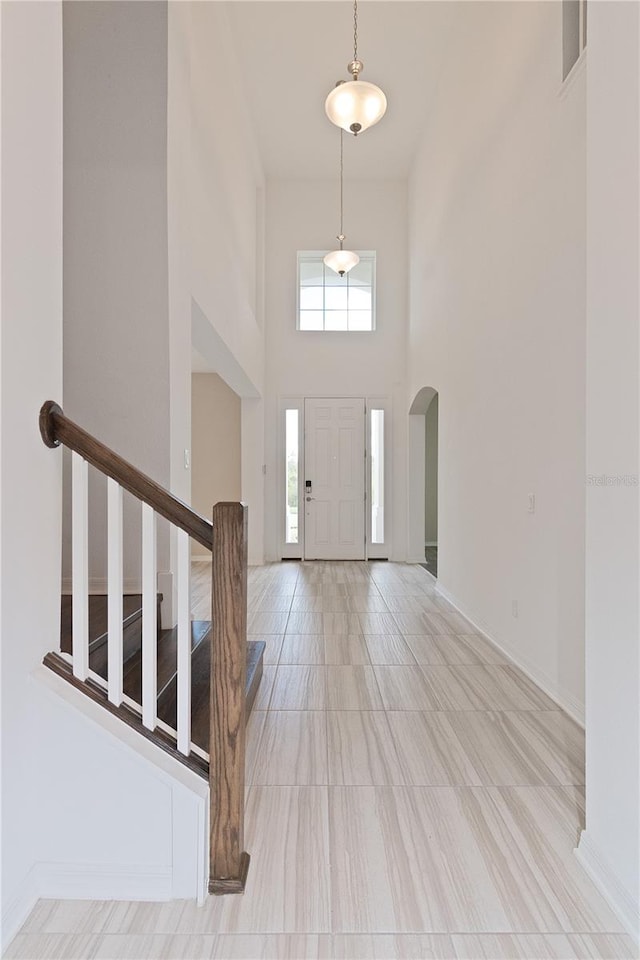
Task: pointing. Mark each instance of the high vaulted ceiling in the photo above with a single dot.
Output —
(290, 54)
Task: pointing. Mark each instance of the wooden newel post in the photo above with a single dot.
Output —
(227, 860)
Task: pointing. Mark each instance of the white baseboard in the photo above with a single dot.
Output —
(103, 881)
(563, 698)
(623, 904)
(84, 881)
(416, 559)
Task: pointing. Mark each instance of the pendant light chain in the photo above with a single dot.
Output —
(355, 29)
(341, 237)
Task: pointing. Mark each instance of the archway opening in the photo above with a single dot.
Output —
(423, 479)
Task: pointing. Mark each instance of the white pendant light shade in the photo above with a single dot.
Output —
(355, 105)
(341, 261)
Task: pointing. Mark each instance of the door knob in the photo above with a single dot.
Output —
(310, 498)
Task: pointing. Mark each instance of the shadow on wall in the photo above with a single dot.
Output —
(423, 479)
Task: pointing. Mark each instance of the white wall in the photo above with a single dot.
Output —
(31, 373)
(215, 446)
(216, 199)
(497, 293)
(116, 326)
(303, 215)
(227, 179)
(610, 846)
(161, 212)
(179, 285)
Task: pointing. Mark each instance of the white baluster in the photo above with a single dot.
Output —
(115, 612)
(80, 565)
(149, 618)
(184, 643)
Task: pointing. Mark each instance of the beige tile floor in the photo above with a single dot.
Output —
(410, 794)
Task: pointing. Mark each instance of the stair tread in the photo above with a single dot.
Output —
(98, 607)
(167, 659)
(200, 692)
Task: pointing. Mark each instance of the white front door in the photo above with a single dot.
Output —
(334, 487)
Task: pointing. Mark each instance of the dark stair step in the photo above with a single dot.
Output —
(167, 660)
(200, 683)
(131, 608)
(98, 608)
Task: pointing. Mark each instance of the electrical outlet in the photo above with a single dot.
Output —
(187, 458)
(531, 503)
(514, 609)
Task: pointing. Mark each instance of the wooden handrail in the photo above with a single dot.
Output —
(57, 429)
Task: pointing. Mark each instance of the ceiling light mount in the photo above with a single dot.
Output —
(355, 105)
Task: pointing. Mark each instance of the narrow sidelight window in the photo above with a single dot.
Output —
(292, 475)
(377, 476)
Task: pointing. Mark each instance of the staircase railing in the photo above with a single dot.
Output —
(226, 537)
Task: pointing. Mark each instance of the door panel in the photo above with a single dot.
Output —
(334, 463)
